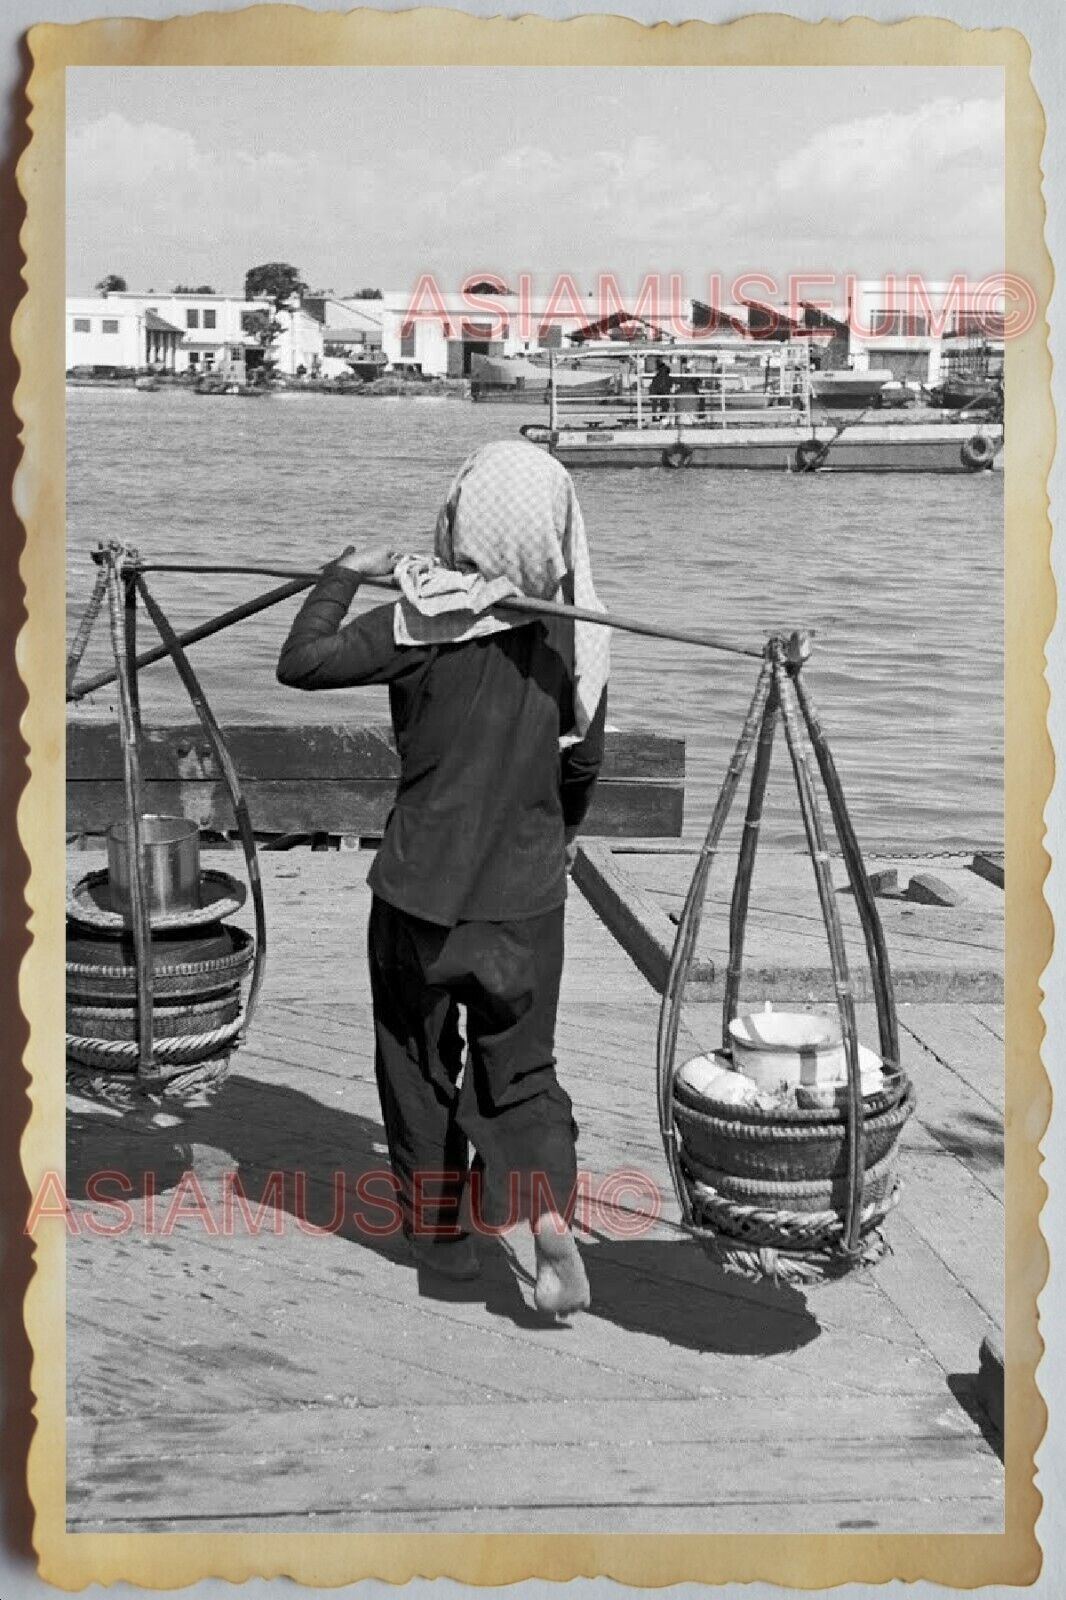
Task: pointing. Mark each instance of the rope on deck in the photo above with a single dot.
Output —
(85, 628)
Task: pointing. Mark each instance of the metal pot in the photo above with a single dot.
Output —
(170, 864)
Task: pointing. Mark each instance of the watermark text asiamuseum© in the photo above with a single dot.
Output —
(623, 1204)
(1001, 305)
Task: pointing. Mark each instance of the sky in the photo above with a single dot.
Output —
(372, 176)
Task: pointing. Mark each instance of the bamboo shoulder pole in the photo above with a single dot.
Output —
(204, 630)
(520, 603)
(300, 581)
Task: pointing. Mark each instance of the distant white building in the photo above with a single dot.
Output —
(437, 335)
(916, 337)
(917, 329)
(351, 336)
(121, 333)
(132, 332)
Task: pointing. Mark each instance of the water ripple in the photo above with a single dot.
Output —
(900, 578)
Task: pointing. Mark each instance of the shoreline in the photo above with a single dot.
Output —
(380, 389)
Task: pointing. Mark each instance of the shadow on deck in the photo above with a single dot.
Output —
(662, 1287)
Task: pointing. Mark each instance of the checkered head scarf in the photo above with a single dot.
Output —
(511, 525)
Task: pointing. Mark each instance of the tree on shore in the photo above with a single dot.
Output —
(276, 280)
(111, 283)
(189, 288)
(264, 328)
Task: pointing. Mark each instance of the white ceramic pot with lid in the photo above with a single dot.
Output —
(786, 1048)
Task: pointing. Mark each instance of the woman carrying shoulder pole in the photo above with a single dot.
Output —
(499, 726)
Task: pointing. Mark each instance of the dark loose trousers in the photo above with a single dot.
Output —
(469, 889)
(509, 1105)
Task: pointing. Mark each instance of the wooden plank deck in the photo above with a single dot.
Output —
(951, 953)
(279, 1380)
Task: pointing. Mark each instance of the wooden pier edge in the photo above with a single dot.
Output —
(641, 928)
(646, 932)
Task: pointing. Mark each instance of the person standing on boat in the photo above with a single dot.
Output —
(688, 387)
(661, 385)
(499, 724)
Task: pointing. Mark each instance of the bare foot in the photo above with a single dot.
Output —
(562, 1286)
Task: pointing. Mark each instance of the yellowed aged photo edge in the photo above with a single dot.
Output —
(447, 38)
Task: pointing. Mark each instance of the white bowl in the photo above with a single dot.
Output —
(787, 1047)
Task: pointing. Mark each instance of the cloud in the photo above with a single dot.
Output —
(114, 153)
(919, 189)
(928, 180)
(190, 204)
(874, 156)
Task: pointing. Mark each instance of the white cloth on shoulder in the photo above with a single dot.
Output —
(511, 525)
(434, 596)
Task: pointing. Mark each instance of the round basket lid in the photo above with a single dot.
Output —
(89, 903)
(115, 951)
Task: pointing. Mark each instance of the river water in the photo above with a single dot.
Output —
(900, 577)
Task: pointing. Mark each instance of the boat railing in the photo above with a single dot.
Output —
(708, 408)
(711, 395)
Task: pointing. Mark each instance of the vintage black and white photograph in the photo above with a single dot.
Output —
(535, 799)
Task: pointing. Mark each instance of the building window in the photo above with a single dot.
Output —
(192, 319)
(888, 324)
(209, 319)
(109, 325)
(407, 342)
(82, 325)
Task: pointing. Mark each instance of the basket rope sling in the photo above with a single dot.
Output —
(764, 1225)
(168, 1057)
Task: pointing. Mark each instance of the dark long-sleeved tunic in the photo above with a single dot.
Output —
(485, 793)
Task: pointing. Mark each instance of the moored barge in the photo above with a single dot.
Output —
(700, 420)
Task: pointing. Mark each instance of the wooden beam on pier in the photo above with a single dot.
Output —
(333, 778)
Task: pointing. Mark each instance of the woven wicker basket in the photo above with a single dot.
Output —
(109, 984)
(168, 1022)
(896, 1085)
(808, 1240)
(172, 1055)
(770, 1193)
(802, 1195)
(782, 1148)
